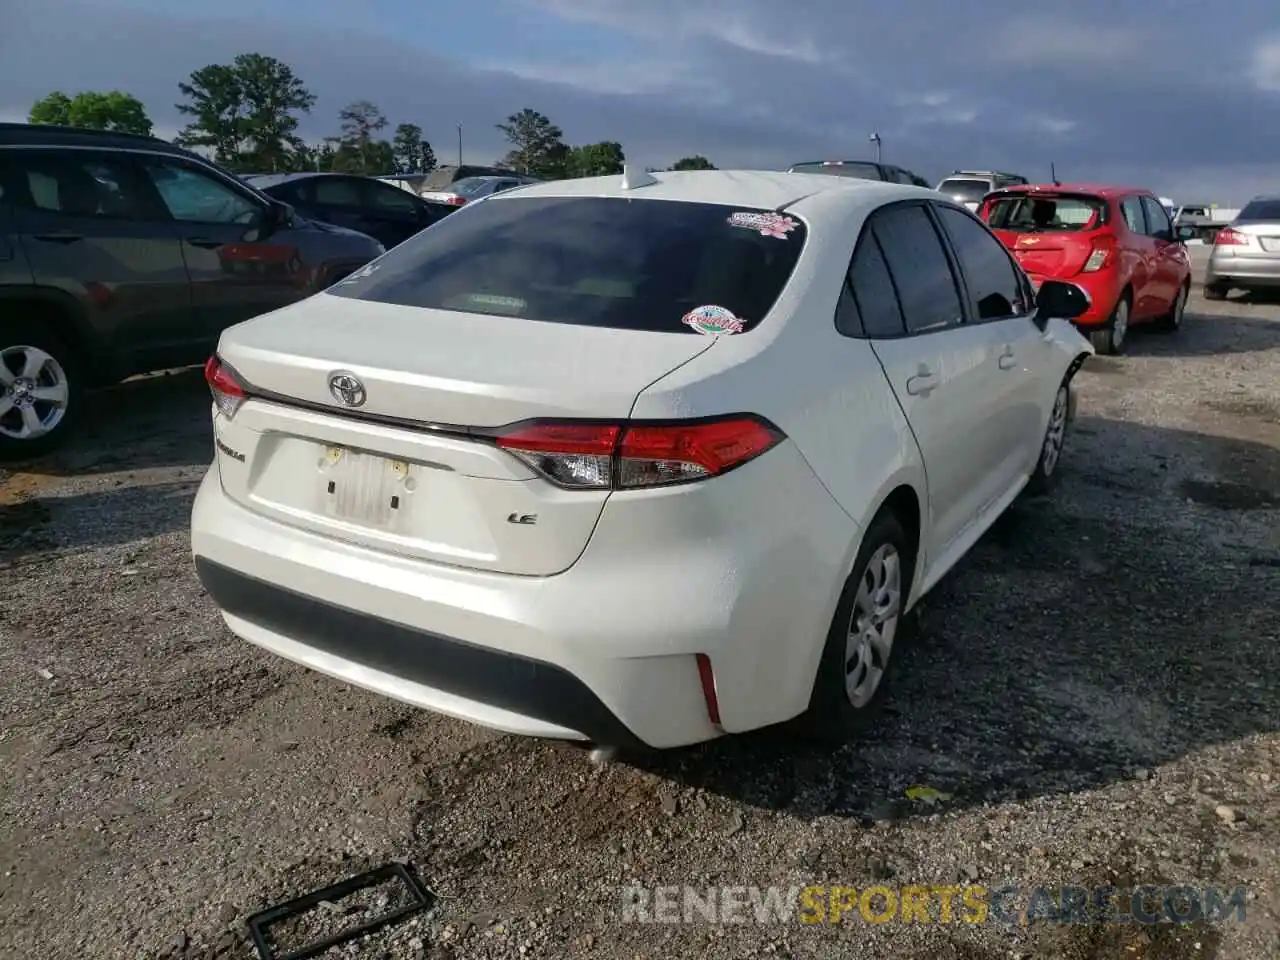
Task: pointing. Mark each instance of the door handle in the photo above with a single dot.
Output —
(59, 237)
(204, 243)
(1007, 360)
(923, 383)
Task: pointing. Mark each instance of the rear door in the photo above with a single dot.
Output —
(92, 228)
(391, 215)
(237, 270)
(1138, 254)
(943, 371)
(1171, 263)
(1051, 235)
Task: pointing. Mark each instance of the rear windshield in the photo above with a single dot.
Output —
(1260, 210)
(470, 185)
(442, 177)
(1045, 213)
(859, 171)
(966, 190)
(656, 265)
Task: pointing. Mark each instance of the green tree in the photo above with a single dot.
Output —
(595, 160)
(696, 162)
(358, 149)
(412, 153)
(112, 110)
(538, 147)
(244, 111)
(271, 92)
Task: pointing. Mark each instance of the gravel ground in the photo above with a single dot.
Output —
(1094, 689)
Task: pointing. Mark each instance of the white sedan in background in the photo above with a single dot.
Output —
(636, 460)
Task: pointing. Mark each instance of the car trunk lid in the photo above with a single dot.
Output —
(413, 469)
(1060, 242)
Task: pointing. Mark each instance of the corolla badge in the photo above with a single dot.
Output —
(346, 388)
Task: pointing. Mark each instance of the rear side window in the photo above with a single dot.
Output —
(1043, 213)
(994, 287)
(965, 189)
(1256, 210)
(1131, 210)
(337, 192)
(76, 184)
(919, 267)
(874, 298)
(654, 265)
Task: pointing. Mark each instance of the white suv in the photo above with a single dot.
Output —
(638, 460)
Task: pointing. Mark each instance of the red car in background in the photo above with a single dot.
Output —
(1116, 243)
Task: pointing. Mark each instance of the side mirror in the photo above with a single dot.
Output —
(1185, 233)
(279, 216)
(1063, 300)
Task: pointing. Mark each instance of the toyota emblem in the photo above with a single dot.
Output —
(347, 389)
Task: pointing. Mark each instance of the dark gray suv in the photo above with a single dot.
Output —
(123, 254)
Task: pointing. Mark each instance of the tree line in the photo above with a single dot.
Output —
(246, 114)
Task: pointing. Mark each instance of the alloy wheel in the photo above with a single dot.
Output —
(33, 392)
(1054, 437)
(873, 624)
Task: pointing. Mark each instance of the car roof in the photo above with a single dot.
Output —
(275, 179)
(51, 135)
(1109, 191)
(760, 189)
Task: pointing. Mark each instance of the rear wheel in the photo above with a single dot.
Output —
(1171, 322)
(1109, 340)
(40, 391)
(870, 623)
(1215, 291)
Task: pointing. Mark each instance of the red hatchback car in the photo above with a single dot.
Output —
(1116, 243)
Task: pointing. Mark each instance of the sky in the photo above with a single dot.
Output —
(1180, 96)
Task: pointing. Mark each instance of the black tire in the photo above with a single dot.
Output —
(14, 337)
(1171, 322)
(1215, 291)
(1104, 338)
(832, 716)
(1045, 475)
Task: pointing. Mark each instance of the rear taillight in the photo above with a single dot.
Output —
(1102, 255)
(1227, 237)
(456, 201)
(228, 392)
(628, 456)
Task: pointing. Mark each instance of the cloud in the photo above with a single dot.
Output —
(1103, 90)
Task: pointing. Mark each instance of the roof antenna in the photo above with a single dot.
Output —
(1053, 175)
(633, 177)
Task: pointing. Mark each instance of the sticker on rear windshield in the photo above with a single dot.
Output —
(765, 224)
(491, 300)
(712, 320)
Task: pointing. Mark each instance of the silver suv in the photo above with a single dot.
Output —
(970, 186)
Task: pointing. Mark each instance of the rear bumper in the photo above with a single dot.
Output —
(322, 634)
(605, 651)
(1256, 269)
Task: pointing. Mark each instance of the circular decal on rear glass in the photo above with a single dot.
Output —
(712, 320)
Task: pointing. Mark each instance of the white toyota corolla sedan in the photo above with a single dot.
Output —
(637, 460)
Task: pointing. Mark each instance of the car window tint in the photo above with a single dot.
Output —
(1158, 224)
(919, 267)
(994, 289)
(594, 261)
(195, 197)
(873, 293)
(1131, 210)
(391, 199)
(337, 192)
(77, 185)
